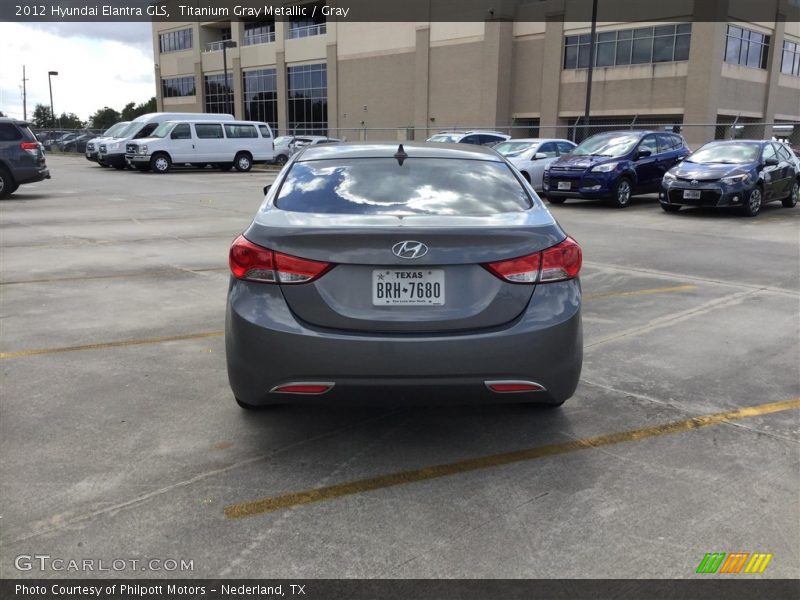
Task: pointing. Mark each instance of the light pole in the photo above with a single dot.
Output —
(50, 82)
(228, 91)
(590, 72)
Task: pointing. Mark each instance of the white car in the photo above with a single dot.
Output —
(301, 141)
(477, 137)
(532, 155)
(284, 148)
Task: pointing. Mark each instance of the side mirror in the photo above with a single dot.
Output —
(266, 189)
(680, 159)
(644, 153)
(772, 162)
(539, 156)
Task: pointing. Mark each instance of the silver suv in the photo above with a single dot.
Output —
(21, 157)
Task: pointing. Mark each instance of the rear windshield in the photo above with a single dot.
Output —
(421, 186)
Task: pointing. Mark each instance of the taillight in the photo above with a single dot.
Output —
(255, 263)
(30, 147)
(559, 263)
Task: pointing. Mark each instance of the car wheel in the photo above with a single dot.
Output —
(281, 160)
(243, 162)
(673, 208)
(225, 166)
(6, 184)
(160, 163)
(753, 205)
(555, 200)
(791, 200)
(622, 193)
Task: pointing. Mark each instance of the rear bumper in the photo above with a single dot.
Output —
(267, 346)
(31, 175)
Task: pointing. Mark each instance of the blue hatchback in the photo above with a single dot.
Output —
(614, 166)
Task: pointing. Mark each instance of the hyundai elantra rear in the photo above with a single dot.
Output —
(388, 273)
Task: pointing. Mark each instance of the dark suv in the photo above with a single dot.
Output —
(21, 157)
(615, 166)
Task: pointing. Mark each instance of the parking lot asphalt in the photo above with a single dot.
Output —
(120, 438)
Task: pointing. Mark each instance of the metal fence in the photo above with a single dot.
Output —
(575, 130)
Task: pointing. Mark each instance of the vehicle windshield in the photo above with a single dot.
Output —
(445, 138)
(115, 129)
(130, 130)
(608, 144)
(163, 129)
(512, 149)
(418, 186)
(726, 153)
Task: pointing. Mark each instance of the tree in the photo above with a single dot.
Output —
(145, 107)
(42, 117)
(104, 118)
(70, 121)
(129, 112)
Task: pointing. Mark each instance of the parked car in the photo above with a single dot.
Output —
(301, 141)
(112, 152)
(21, 157)
(480, 138)
(793, 153)
(93, 144)
(532, 155)
(376, 272)
(738, 173)
(76, 144)
(284, 148)
(614, 166)
(225, 144)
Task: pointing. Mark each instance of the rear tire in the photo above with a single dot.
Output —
(670, 208)
(6, 184)
(281, 160)
(791, 200)
(160, 163)
(754, 201)
(623, 190)
(243, 162)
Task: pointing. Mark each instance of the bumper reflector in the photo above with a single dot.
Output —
(511, 387)
(302, 388)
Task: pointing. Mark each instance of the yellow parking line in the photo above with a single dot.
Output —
(100, 346)
(644, 292)
(274, 503)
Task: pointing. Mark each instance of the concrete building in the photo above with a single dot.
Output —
(526, 69)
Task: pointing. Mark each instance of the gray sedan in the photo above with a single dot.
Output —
(411, 273)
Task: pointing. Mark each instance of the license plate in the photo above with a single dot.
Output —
(564, 185)
(408, 287)
(691, 194)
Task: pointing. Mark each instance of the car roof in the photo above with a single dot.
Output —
(739, 141)
(389, 149)
(17, 122)
(539, 140)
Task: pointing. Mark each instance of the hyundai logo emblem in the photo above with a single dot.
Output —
(409, 249)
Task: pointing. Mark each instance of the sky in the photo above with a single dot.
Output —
(98, 64)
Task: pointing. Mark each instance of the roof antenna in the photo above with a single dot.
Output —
(400, 155)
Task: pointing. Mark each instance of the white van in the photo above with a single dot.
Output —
(93, 144)
(224, 144)
(112, 152)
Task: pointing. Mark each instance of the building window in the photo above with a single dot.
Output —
(178, 86)
(174, 41)
(308, 99)
(745, 47)
(305, 27)
(645, 45)
(790, 64)
(260, 32)
(219, 93)
(260, 93)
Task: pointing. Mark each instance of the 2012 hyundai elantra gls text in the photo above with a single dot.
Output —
(410, 273)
